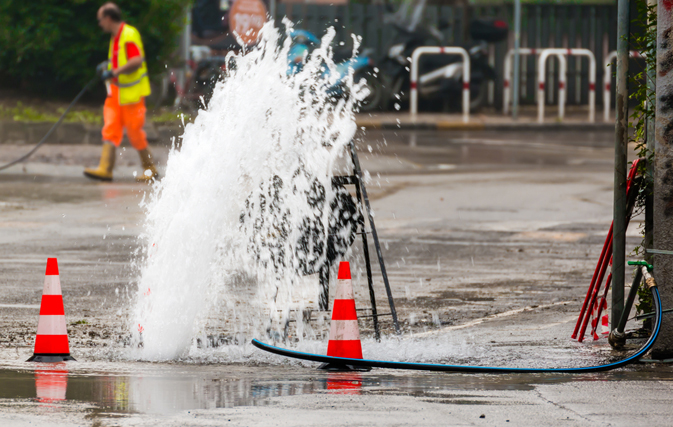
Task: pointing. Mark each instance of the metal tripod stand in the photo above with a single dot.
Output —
(363, 204)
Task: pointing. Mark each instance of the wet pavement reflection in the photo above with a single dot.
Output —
(441, 151)
(174, 388)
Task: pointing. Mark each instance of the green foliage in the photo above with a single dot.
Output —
(21, 113)
(55, 44)
(643, 113)
(168, 117)
(646, 44)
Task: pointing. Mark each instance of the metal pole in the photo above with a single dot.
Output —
(621, 142)
(375, 236)
(185, 42)
(517, 71)
(629, 301)
(617, 338)
(368, 265)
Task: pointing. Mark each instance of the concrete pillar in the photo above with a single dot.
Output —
(663, 174)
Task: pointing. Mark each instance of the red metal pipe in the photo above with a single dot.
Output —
(592, 301)
(608, 239)
(595, 285)
(629, 183)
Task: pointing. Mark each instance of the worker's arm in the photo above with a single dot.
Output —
(132, 65)
(135, 60)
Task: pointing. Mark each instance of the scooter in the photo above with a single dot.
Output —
(440, 76)
(363, 66)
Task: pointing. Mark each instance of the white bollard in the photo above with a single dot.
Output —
(561, 53)
(607, 78)
(542, 60)
(449, 50)
(592, 79)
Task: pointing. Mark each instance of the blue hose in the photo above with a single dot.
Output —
(471, 369)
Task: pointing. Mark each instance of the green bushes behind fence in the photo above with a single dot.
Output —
(53, 46)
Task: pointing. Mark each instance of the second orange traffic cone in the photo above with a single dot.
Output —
(344, 335)
(51, 342)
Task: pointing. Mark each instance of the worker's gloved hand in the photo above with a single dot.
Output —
(100, 68)
(106, 75)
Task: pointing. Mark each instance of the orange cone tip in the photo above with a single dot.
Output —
(344, 271)
(52, 267)
(51, 341)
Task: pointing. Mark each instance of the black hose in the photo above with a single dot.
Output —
(472, 369)
(53, 128)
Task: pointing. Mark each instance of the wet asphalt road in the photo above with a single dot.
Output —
(490, 241)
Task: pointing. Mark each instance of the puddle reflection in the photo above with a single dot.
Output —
(161, 389)
(344, 383)
(51, 384)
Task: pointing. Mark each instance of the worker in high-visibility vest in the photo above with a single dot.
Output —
(125, 76)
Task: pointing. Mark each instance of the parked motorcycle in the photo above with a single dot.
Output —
(303, 43)
(440, 76)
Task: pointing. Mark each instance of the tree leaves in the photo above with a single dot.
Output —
(54, 45)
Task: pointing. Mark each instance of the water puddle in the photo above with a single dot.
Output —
(166, 389)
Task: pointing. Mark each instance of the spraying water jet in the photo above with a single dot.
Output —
(248, 205)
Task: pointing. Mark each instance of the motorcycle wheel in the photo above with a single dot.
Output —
(375, 99)
(478, 96)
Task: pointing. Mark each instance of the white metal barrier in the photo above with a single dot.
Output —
(545, 53)
(507, 82)
(562, 74)
(450, 50)
(607, 75)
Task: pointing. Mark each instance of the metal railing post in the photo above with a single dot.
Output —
(563, 68)
(607, 77)
(451, 50)
(561, 53)
(621, 142)
(517, 58)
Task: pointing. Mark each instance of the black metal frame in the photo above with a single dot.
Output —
(363, 204)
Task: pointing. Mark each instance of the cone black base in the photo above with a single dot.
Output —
(50, 358)
(334, 367)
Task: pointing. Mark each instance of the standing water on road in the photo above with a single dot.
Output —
(244, 206)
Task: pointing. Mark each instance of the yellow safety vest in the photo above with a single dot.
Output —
(134, 86)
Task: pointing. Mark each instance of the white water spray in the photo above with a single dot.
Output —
(223, 226)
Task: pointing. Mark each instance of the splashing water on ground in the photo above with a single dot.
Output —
(242, 210)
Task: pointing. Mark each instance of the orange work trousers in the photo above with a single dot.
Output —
(117, 117)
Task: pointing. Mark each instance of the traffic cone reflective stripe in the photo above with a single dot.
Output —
(51, 342)
(344, 336)
(344, 309)
(52, 305)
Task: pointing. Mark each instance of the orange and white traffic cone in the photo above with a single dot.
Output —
(51, 342)
(344, 335)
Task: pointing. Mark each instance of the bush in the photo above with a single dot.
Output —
(53, 46)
